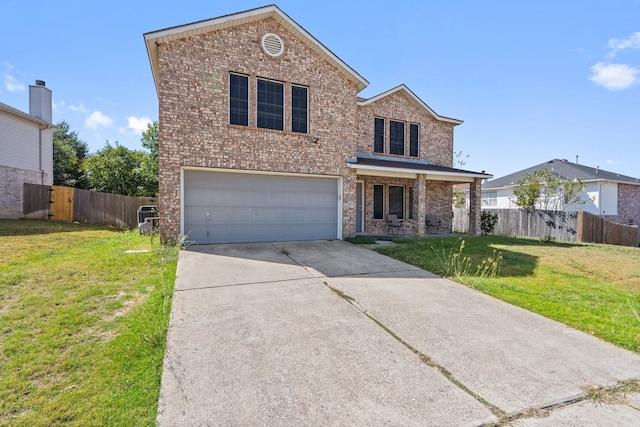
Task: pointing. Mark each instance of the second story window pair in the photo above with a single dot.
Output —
(270, 104)
(397, 137)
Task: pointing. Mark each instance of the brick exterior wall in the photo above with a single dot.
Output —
(435, 145)
(629, 205)
(193, 86)
(11, 189)
(436, 137)
(194, 125)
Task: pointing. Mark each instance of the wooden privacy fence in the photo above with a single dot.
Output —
(567, 226)
(594, 228)
(74, 204)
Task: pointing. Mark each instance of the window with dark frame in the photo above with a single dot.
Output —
(410, 202)
(238, 100)
(378, 201)
(396, 201)
(396, 137)
(270, 111)
(378, 135)
(414, 136)
(299, 109)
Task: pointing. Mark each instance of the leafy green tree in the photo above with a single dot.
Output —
(542, 190)
(69, 154)
(116, 169)
(149, 166)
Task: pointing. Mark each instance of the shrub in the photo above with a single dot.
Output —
(488, 222)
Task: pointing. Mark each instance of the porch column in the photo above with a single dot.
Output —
(475, 206)
(421, 195)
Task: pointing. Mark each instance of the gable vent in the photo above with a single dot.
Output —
(272, 44)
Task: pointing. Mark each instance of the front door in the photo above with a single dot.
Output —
(359, 204)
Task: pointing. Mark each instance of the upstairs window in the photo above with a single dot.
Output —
(299, 109)
(396, 137)
(270, 113)
(414, 132)
(239, 100)
(378, 135)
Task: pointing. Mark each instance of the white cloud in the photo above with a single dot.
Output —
(79, 108)
(12, 84)
(97, 120)
(614, 76)
(612, 162)
(631, 42)
(138, 124)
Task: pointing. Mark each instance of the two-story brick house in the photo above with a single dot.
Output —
(263, 138)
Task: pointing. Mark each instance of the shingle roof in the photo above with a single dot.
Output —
(412, 165)
(564, 169)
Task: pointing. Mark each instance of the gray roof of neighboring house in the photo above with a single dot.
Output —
(564, 169)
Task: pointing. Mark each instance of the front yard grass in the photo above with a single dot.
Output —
(82, 324)
(591, 287)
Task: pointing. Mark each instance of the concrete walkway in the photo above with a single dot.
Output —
(329, 333)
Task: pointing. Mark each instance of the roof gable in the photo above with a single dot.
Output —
(413, 97)
(562, 169)
(152, 39)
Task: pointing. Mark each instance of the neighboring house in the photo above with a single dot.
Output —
(26, 149)
(262, 137)
(609, 194)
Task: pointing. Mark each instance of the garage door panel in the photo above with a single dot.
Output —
(222, 207)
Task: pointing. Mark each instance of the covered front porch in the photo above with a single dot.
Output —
(405, 197)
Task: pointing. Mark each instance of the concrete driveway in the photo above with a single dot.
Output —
(329, 333)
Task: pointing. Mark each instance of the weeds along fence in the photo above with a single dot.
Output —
(58, 203)
(566, 226)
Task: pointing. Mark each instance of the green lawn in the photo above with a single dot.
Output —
(82, 324)
(593, 288)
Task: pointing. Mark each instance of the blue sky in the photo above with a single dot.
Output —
(533, 80)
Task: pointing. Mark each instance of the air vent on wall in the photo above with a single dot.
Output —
(272, 44)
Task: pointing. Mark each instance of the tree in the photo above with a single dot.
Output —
(116, 169)
(149, 166)
(69, 154)
(542, 190)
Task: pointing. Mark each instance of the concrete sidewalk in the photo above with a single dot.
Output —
(328, 333)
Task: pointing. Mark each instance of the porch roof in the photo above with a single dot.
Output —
(410, 168)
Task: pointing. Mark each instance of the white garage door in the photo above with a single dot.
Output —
(223, 207)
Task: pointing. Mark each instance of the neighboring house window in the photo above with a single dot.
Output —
(270, 114)
(490, 198)
(378, 201)
(396, 200)
(239, 100)
(414, 132)
(396, 137)
(299, 109)
(410, 202)
(378, 136)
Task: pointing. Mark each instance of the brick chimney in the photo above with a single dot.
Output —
(40, 101)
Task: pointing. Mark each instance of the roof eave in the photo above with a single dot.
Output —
(413, 96)
(433, 175)
(21, 114)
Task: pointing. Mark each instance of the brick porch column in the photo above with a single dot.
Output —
(475, 206)
(421, 194)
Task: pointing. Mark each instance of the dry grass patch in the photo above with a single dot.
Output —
(75, 316)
